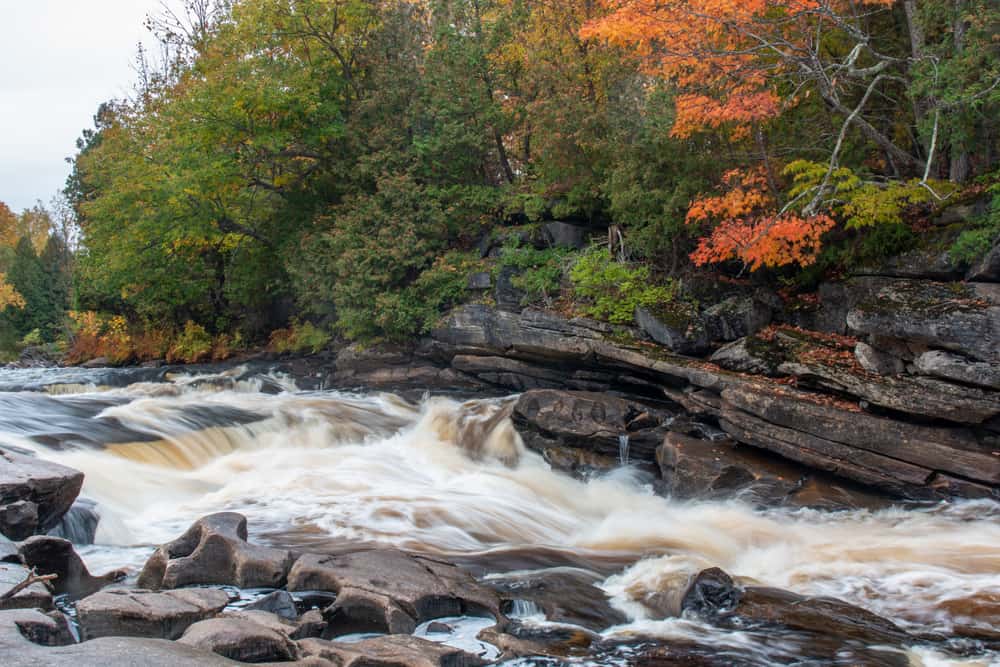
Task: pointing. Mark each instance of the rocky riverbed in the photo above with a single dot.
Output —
(253, 514)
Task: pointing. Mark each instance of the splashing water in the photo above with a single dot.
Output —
(623, 447)
(452, 478)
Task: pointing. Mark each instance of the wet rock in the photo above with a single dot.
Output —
(680, 332)
(280, 603)
(215, 551)
(389, 651)
(563, 595)
(591, 421)
(79, 524)
(576, 462)
(44, 629)
(439, 628)
(54, 555)
(953, 367)
(49, 487)
(878, 362)
(19, 520)
(960, 317)
(240, 639)
(9, 552)
(385, 590)
(736, 317)
(140, 613)
(36, 596)
(710, 593)
(701, 468)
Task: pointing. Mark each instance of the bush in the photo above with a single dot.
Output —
(973, 243)
(32, 338)
(299, 338)
(193, 345)
(540, 271)
(614, 289)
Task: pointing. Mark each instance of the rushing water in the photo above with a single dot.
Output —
(324, 469)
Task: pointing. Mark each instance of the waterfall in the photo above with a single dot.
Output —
(623, 447)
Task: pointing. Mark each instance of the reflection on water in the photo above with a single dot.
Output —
(453, 478)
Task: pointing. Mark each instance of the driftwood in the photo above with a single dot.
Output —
(32, 578)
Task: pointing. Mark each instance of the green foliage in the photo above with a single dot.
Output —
(192, 345)
(33, 337)
(614, 290)
(539, 272)
(873, 204)
(299, 338)
(973, 243)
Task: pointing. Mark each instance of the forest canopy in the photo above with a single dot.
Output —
(337, 163)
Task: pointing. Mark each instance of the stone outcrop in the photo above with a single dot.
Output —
(141, 613)
(34, 493)
(214, 550)
(35, 596)
(54, 555)
(390, 591)
(389, 651)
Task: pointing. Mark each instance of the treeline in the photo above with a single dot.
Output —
(338, 161)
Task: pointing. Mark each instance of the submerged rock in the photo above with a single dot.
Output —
(215, 551)
(565, 595)
(34, 493)
(141, 613)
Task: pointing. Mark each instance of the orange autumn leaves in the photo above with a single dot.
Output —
(749, 228)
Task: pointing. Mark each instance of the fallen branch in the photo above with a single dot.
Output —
(32, 578)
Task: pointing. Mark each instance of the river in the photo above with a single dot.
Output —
(329, 469)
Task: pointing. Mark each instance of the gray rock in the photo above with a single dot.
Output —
(54, 555)
(565, 595)
(480, 280)
(987, 269)
(99, 362)
(964, 318)
(9, 552)
(953, 367)
(385, 590)
(240, 639)
(215, 551)
(79, 524)
(736, 317)
(877, 361)
(36, 596)
(26, 637)
(739, 357)
(50, 487)
(683, 333)
(389, 651)
(19, 520)
(280, 603)
(833, 306)
(310, 624)
(508, 297)
(139, 613)
(566, 235)
(591, 421)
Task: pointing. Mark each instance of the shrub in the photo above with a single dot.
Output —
(193, 345)
(973, 243)
(299, 338)
(614, 289)
(32, 338)
(540, 271)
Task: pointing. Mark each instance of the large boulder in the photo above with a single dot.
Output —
(566, 235)
(240, 639)
(590, 421)
(386, 590)
(34, 493)
(54, 555)
(736, 317)
(214, 550)
(140, 613)
(564, 595)
(79, 524)
(960, 317)
(389, 651)
(987, 269)
(678, 328)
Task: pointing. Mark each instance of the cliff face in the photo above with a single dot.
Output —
(889, 380)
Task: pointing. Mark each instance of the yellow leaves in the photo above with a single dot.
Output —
(9, 296)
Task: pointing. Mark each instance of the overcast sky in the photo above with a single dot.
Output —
(59, 59)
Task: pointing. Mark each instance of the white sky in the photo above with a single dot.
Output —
(59, 59)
